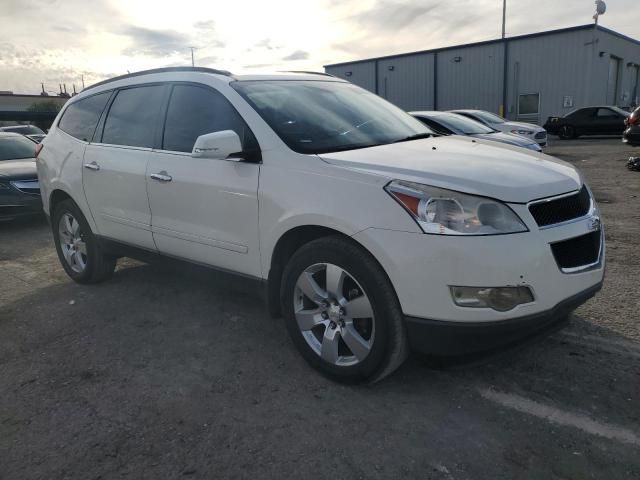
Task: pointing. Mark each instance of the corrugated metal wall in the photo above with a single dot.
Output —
(554, 66)
(471, 77)
(362, 74)
(407, 81)
(558, 66)
(629, 53)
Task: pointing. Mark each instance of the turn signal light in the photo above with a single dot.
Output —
(39, 147)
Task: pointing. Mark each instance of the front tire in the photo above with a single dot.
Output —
(78, 248)
(342, 311)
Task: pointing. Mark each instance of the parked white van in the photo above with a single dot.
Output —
(371, 234)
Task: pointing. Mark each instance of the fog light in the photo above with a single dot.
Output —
(501, 299)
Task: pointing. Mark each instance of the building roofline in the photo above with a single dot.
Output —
(160, 70)
(31, 95)
(488, 42)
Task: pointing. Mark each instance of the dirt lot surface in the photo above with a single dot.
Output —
(170, 372)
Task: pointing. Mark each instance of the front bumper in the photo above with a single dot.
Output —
(15, 204)
(457, 338)
(631, 136)
(422, 268)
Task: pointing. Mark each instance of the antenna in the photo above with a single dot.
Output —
(601, 9)
(192, 61)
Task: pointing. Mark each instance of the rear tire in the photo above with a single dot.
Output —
(567, 132)
(353, 329)
(79, 251)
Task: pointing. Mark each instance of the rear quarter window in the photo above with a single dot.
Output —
(80, 118)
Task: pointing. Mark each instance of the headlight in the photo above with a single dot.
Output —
(522, 132)
(534, 146)
(445, 212)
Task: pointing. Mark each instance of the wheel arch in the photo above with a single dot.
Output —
(288, 243)
(58, 195)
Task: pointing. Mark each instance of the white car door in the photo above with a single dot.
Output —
(114, 173)
(204, 210)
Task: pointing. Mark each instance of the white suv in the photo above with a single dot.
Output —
(370, 233)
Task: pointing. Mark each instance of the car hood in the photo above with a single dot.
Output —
(18, 169)
(522, 125)
(505, 138)
(480, 167)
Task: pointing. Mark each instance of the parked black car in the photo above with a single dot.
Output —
(447, 123)
(605, 120)
(19, 189)
(632, 133)
(31, 131)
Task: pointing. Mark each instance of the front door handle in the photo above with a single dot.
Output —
(92, 166)
(162, 176)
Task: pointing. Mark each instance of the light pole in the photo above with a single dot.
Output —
(504, 18)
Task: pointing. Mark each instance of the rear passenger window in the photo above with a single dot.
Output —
(194, 111)
(80, 118)
(133, 116)
(605, 112)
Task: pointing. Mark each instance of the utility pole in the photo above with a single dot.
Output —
(193, 64)
(505, 61)
(504, 18)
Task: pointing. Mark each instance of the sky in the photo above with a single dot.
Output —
(59, 41)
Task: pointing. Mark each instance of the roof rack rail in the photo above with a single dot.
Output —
(161, 70)
(309, 72)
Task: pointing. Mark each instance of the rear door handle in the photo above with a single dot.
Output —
(92, 166)
(162, 176)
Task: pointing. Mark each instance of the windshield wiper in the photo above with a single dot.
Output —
(417, 136)
(343, 148)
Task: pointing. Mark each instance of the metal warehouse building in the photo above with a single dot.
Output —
(527, 77)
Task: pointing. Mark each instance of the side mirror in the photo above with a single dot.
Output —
(218, 146)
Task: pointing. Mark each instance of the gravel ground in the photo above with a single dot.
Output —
(170, 371)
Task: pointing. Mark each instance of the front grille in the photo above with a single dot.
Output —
(540, 135)
(549, 212)
(579, 251)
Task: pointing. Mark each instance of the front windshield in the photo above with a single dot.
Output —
(488, 117)
(324, 116)
(622, 112)
(463, 125)
(15, 148)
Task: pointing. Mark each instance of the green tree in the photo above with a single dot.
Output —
(44, 106)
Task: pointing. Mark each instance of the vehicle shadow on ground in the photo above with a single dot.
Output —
(170, 367)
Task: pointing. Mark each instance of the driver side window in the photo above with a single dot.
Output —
(195, 111)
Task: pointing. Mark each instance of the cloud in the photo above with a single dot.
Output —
(297, 55)
(155, 43)
(266, 43)
(391, 15)
(205, 25)
(258, 65)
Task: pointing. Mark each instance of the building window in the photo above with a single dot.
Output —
(529, 104)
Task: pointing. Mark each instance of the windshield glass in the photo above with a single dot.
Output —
(24, 130)
(14, 148)
(487, 117)
(461, 124)
(321, 116)
(622, 112)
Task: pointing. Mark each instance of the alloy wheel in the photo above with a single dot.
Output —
(334, 314)
(72, 244)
